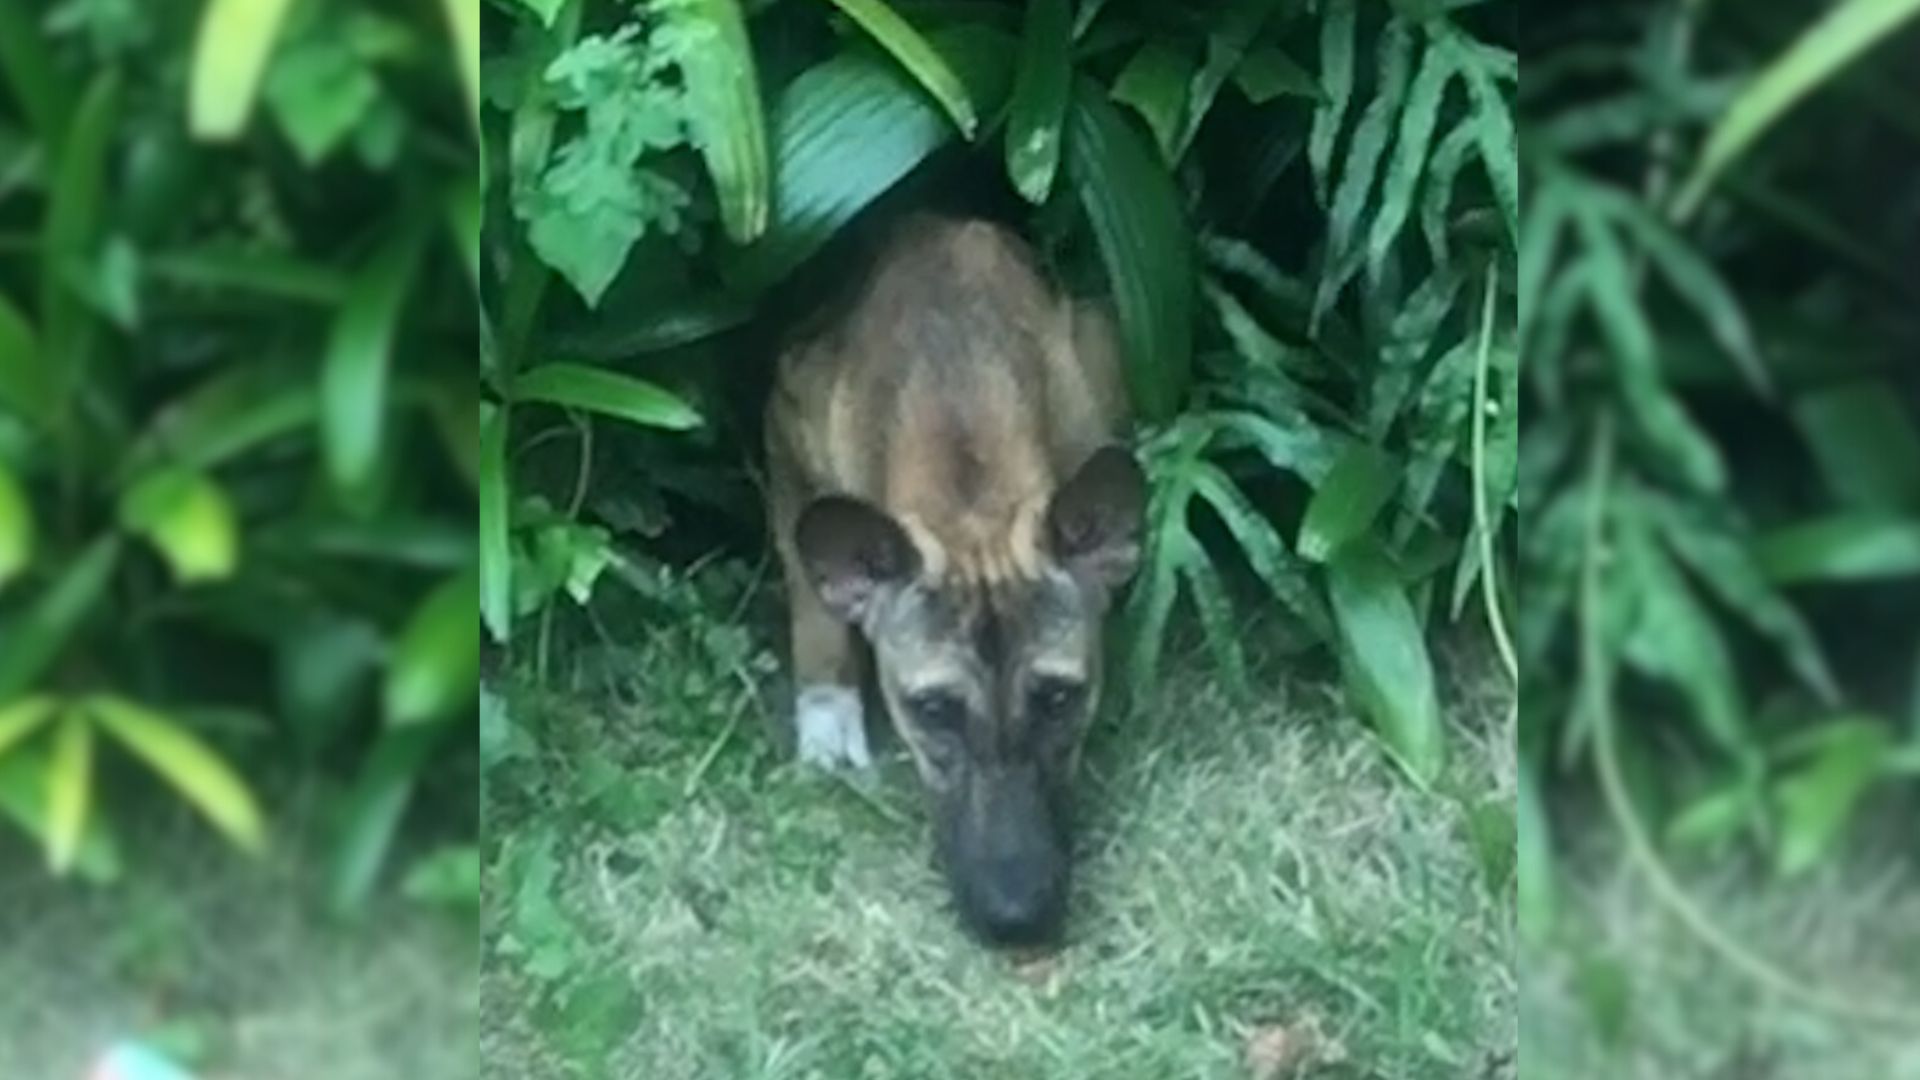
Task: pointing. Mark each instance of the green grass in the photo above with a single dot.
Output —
(1245, 865)
(227, 963)
(1625, 993)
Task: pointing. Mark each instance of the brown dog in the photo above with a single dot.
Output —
(943, 479)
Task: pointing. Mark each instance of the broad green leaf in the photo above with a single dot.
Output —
(579, 386)
(545, 10)
(230, 54)
(1135, 214)
(1817, 801)
(17, 528)
(1536, 877)
(71, 231)
(26, 63)
(373, 811)
(1039, 110)
(23, 797)
(435, 666)
(918, 57)
(496, 558)
(1411, 147)
(845, 132)
(26, 381)
(1847, 30)
(1154, 83)
(188, 518)
(1337, 32)
(448, 877)
(1863, 437)
(724, 111)
(1857, 546)
(39, 636)
(69, 789)
(21, 719)
(1718, 815)
(1346, 504)
(187, 764)
(320, 90)
(1384, 657)
(356, 373)
(1267, 73)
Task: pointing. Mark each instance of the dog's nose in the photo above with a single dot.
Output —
(1019, 902)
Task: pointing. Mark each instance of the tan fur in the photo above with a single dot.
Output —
(956, 393)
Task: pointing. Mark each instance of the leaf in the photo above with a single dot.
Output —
(545, 10)
(1265, 551)
(1718, 815)
(186, 763)
(1818, 800)
(448, 877)
(71, 230)
(1696, 281)
(1856, 546)
(918, 57)
(1150, 603)
(1267, 73)
(1039, 109)
(496, 559)
(579, 386)
(844, 133)
(230, 54)
(187, 516)
(1675, 639)
(1228, 37)
(26, 381)
(1384, 657)
(69, 789)
(1537, 902)
(17, 528)
(1865, 442)
(223, 418)
(1134, 211)
(1362, 166)
(436, 661)
(356, 372)
(463, 38)
(321, 666)
(724, 111)
(26, 62)
(1847, 30)
(373, 811)
(21, 719)
(1492, 829)
(1493, 124)
(37, 639)
(23, 797)
(320, 90)
(1337, 33)
(1154, 83)
(1346, 504)
(1411, 147)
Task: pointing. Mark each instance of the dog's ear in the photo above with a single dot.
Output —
(1093, 522)
(853, 551)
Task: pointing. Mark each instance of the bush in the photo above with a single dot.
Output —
(237, 443)
(1314, 279)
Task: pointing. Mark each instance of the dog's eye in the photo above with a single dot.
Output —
(1057, 697)
(938, 709)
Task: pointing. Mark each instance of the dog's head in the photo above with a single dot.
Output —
(990, 678)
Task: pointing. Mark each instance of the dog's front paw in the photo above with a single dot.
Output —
(829, 726)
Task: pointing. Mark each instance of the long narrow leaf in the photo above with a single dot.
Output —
(728, 120)
(230, 55)
(17, 529)
(356, 373)
(496, 558)
(435, 667)
(69, 789)
(1410, 152)
(1039, 109)
(38, 637)
(1337, 34)
(1384, 655)
(578, 386)
(1346, 505)
(913, 52)
(186, 763)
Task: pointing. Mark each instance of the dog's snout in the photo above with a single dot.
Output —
(1018, 901)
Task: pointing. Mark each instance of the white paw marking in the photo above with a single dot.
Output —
(831, 733)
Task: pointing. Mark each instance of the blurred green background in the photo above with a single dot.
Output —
(237, 468)
(1720, 639)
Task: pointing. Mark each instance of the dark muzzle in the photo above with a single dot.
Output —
(1007, 858)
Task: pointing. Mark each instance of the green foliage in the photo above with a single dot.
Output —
(1762, 488)
(235, 416)
(1304, 368)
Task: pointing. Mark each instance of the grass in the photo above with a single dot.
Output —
(227, 964)
(1251, 872)
(1624, 993)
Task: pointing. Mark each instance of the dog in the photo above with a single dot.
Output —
(946, 485)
